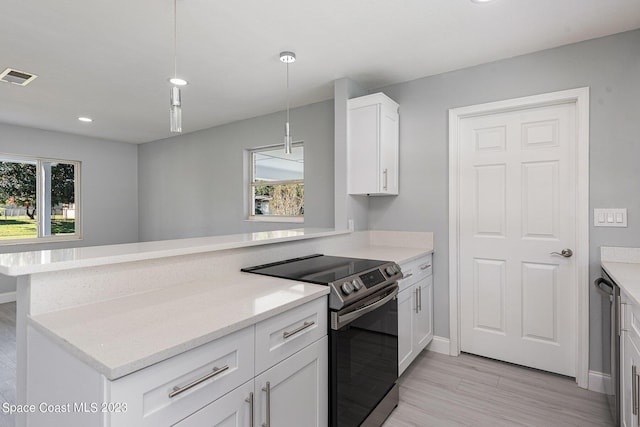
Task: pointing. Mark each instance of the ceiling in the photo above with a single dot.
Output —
(110, 60)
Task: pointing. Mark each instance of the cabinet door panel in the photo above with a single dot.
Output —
(424, 316)
(362, 150)
(406, 312)
(298, 388)
(389, 150)
(231, 410)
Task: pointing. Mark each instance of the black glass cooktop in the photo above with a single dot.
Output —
(319, 269)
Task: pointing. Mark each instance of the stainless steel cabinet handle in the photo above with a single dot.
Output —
(416, 296)
(267, 389)
(249, 400)
(384, 175)
(420, 297)
(406, 276)
(637, 400)
(621, 305)
(567, 253)
(304, 326)
(177, 390)
(425, 266)
(634, 390)
(634, 409)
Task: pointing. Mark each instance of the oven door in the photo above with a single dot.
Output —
(364, 357)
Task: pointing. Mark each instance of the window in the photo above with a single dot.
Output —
(276, 184)
(38, 200)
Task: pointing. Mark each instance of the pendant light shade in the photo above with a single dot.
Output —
(175, 112)
(287, 58)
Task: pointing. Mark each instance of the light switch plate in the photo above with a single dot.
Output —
(610, 217)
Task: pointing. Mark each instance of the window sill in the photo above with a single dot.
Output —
(262, 218)
(41, 240)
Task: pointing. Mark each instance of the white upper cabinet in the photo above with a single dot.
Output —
(372, 145)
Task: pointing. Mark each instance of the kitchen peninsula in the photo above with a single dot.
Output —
(92, 322)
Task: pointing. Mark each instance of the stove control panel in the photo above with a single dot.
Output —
(351, 289)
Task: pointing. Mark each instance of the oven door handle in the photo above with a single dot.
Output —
(340, 320)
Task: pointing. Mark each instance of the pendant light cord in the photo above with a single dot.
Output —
(175, 38)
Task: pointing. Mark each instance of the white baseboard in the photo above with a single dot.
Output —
(598, 381)
(439, 345)
(7, 297)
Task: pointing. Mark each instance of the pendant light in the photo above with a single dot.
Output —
(287, 58)
(175, 110)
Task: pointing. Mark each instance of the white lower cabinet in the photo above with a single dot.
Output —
(415, 310)
(220, 383)
(630, 364)
(295, 391)
(406, 318)
(629, 378)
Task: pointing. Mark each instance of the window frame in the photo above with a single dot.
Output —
(251, 216)
(40, 196)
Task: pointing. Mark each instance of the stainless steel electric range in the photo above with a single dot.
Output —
(363, 340)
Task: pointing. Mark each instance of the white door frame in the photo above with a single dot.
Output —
(579, 97)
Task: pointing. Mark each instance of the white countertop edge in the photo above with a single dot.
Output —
(626, 275)
(116, 372)
(17, 264)
(400, 255)
(619, 254)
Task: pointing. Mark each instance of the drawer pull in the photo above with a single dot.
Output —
(425, 266)
(177, 390)
(249, 400)
(634, 390)
(406, 276)
(304, 326)
(267, 389)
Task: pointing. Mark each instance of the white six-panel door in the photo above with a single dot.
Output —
(516, 206)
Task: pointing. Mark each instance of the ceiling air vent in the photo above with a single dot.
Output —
(16, 77)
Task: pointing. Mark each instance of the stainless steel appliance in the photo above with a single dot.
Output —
(611, 330)
(363, 340)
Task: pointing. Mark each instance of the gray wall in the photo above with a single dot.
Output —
(109, 185)
(347, 207)
(195, 184)
(610, 66)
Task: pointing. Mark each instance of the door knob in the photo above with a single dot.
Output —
(567, 253)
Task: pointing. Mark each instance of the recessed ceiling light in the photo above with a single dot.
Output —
(85, 119)
(178, 82)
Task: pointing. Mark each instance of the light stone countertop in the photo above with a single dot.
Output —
(23, 263)
(623, 265)
(386, 253)
(120, 336)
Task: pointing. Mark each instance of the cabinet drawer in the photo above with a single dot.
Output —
(192, 379)
(283, 335)
(415, 270)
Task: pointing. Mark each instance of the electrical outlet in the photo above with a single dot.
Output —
(610, 217)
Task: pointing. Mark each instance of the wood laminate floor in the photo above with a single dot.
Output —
(436, 390)
(440, 391)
